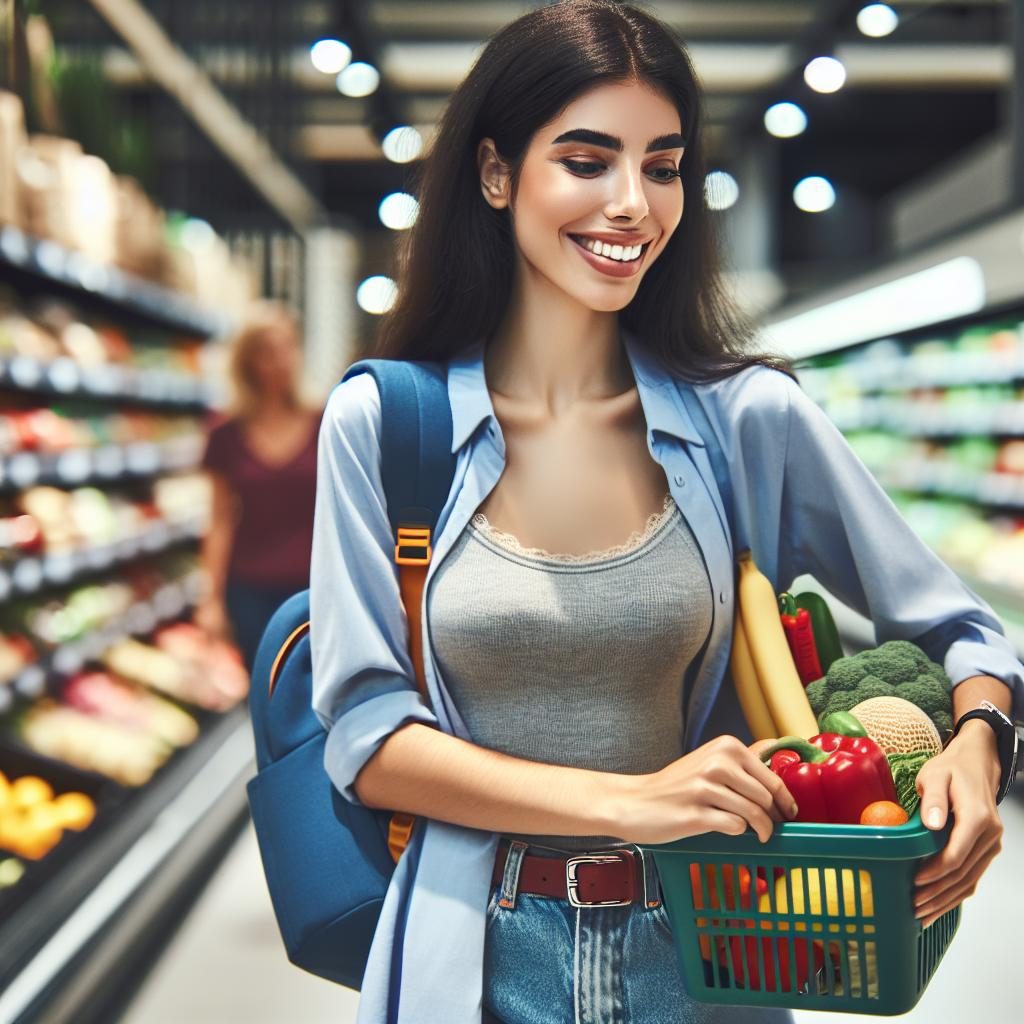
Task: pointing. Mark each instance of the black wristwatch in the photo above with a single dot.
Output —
(1006, 741)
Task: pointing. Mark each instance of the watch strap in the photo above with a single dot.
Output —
(1006, 742)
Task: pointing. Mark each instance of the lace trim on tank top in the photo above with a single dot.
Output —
(655, 523)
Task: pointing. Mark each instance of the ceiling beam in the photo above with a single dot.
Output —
(220, 121)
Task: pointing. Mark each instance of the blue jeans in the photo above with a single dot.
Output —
(547, 962)
(249, 607)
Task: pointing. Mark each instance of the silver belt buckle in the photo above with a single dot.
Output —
(572, 884)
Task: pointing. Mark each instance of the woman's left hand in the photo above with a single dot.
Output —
(963, 779)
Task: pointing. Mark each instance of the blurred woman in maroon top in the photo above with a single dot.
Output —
(262, 462)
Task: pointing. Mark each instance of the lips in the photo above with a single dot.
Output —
(605, 264)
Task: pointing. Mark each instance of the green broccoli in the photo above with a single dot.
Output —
(896, 668)
(928, 694)
(817, 694)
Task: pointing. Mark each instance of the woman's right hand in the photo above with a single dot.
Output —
(722, 786)
(211, 617)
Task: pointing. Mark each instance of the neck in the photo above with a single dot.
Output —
(556, 353)
(273, 405)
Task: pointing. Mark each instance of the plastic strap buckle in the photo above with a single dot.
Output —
(413, 547)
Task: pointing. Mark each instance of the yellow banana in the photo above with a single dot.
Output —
(769, 651)
(748, 686)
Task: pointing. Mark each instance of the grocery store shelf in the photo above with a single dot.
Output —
(49, 267)
(30, 574)
(932, 419)
(70, 940)
(166, 605)
(93, 465)
(139, 386)
(1003, 490)
(858, 633)
(912, 372)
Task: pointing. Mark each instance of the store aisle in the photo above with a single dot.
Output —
(227, 966)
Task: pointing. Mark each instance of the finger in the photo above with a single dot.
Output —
(933, 788)
(753, 789)
(969, 837)
(752, 814)
(931, 912)
(781, 796)
(935, 889)
(722, 821)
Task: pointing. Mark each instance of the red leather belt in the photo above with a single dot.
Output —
(606, 879)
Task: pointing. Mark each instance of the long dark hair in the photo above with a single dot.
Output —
(456, 265)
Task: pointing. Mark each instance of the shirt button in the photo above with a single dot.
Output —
(680, 480)
(491, 430)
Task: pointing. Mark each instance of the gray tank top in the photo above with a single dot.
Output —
(573, 660)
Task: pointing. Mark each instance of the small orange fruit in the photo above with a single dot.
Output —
(883, 812)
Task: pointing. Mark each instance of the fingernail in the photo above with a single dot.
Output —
(793, 810)
(934, 818)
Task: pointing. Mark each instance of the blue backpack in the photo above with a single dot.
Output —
(328, 862)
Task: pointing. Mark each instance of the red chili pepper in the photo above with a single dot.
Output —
(796, 622)
(836, 778)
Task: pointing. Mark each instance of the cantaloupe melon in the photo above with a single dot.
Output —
(897, 726)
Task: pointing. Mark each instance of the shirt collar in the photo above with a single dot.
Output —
(663, 407)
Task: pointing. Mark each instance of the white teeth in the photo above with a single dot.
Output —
(623, 253)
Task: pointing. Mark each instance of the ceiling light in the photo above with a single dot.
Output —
(330, 55)
(877, 20)
(720, 190)
(377, 294)
(947, 290)
(358, 79)
(402, 144)
(814, 194)
(398, 211)
(784, 120)
(825, 74)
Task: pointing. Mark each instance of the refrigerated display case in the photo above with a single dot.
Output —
(124, 743)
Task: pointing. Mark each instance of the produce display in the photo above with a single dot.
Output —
(939, 420)
(33, 818)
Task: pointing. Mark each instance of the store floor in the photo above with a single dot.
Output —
(226, 964)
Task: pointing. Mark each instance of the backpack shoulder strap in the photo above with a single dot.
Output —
(417, 464)
(417, 470)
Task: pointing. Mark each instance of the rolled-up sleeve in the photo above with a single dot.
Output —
(363, 681)
(839, 525)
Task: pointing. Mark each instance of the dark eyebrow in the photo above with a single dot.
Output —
(671, 141)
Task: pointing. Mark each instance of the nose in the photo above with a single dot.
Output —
(627, 198)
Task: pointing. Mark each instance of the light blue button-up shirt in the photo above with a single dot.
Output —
(804, 503)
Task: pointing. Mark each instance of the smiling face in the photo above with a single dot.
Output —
(598, 181)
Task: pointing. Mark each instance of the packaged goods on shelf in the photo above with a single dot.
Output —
(12, 139)
(940, 422)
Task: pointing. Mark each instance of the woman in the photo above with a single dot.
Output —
(579, 606)
(262, 463)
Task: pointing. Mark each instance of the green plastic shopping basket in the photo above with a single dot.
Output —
(819, 917)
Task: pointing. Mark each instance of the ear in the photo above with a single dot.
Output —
(494, 175)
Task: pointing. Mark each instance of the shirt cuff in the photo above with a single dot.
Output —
(358, 733)
(968, 658)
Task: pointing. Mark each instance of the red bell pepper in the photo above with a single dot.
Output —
(797, 625)
(836, 777)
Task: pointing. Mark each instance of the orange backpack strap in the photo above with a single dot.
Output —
(412, 553)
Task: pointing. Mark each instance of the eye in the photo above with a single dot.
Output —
(583, 167)
(588, 168)
(666, 174)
